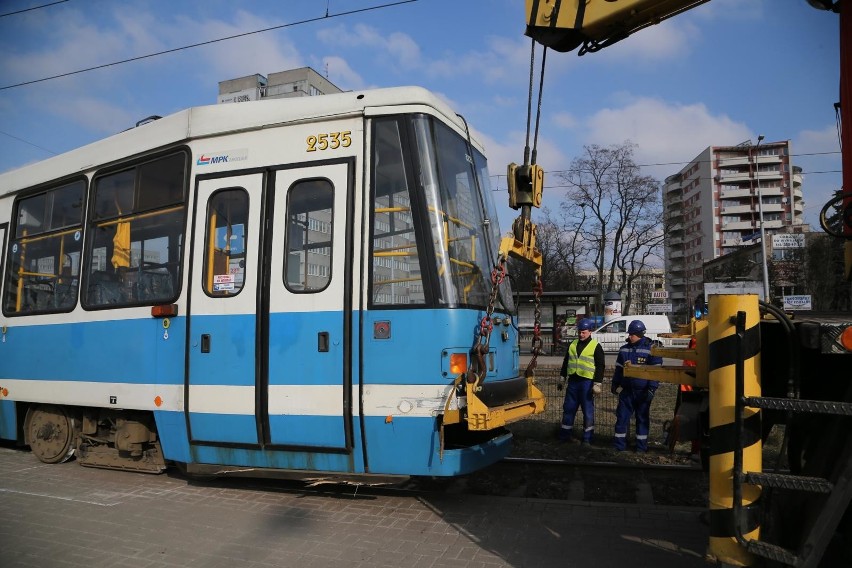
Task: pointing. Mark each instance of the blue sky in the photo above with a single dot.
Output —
(720, 74)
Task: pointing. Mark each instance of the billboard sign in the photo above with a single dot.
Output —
(656, 308)
(788, 241)
(252, 94)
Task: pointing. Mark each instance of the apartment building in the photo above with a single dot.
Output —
(302, 82)
(711, 208)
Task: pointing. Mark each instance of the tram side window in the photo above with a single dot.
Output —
(225, 253)
(395, 272)
(133, 255)
(43, 272)
(309, 240)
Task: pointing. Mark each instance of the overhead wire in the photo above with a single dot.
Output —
(209, 42)
(28, 142)
(31, 9)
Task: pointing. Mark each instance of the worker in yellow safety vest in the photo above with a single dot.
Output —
(582, 369)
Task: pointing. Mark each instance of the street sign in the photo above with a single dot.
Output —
(659, 308)
(660, 295)
(797, 302)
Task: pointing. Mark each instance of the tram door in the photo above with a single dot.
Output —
(223, 401)
(309, 308)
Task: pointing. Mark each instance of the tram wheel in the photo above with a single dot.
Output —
(50, 433)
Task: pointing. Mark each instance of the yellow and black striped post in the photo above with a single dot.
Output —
(726, 347)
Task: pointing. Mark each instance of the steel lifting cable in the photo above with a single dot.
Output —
(527, 160)
(538, 107)
(538, 285)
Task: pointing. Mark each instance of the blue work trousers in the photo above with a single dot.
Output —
(632, 403)
(578, 394)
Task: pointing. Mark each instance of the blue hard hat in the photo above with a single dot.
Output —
(636, 327)
(585, 324)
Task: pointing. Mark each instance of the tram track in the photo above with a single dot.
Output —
(527, 478)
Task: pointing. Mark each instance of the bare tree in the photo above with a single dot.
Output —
(571, 253)
(614, 212)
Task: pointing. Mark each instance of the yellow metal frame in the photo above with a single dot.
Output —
(697, 376)
(481, 417)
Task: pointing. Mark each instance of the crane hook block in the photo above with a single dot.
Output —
(526, 184)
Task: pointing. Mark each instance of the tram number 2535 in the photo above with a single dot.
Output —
(329, 141)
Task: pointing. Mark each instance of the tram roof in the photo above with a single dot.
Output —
(215, 120)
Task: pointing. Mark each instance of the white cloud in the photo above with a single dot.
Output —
(69, 47)
(97, 114)
(565, 120)
(342, 75)
(811, 141)
(660, 130)
(258, 53)
(817, 153)
(400, 48)
(507, 59)
(665, 41)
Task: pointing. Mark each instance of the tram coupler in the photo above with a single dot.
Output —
(482, 417)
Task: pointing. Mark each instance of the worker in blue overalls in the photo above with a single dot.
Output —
(583, 369)
(636, 394)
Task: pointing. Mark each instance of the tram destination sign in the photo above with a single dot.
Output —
(659, 307)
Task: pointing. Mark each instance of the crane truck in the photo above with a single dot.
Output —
(755, 367)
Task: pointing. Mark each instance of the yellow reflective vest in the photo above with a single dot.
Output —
(582, 365)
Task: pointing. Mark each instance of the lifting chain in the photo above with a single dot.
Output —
(486, 325)
(538, 289)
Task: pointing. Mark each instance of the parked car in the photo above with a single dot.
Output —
(613, 333)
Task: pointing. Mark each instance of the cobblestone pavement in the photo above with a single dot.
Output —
(66, 515)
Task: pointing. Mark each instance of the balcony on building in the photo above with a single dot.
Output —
(737, 209)
(735, 193)
(737, 225)
(734, 161)
(733, 177)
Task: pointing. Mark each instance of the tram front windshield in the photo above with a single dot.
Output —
(435, 230)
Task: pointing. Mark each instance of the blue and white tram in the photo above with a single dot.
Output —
(290, 284)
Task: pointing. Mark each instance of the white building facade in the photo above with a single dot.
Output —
(712, 208)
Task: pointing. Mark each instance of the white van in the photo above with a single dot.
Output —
(613, 334)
